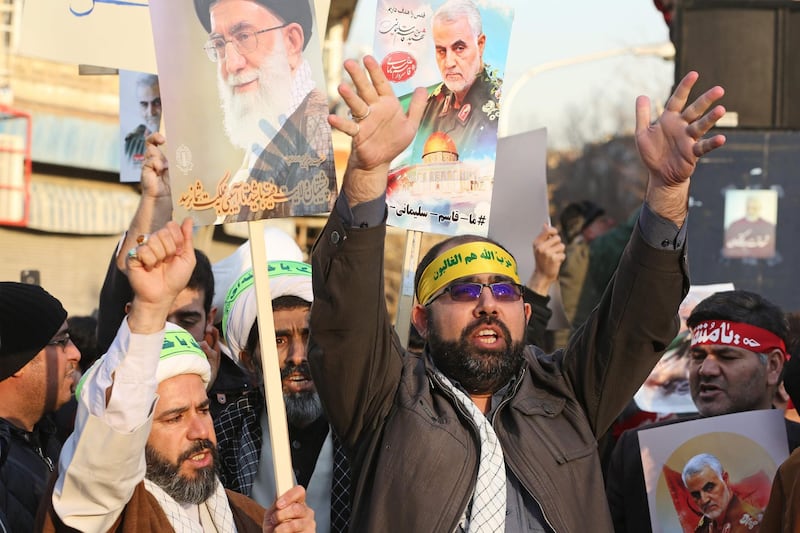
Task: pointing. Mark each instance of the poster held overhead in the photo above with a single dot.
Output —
(442, 183)
(242, 83)
(139, 116)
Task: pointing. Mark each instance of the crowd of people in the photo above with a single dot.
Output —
(158, 421)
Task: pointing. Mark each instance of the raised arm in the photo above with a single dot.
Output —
(636, 318)
(153, 212)
(155, 204)
(354, 359)
(117, 395)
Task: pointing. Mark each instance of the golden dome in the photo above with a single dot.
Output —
(438, 142)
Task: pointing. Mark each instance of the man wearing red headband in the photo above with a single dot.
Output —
(738, 349)
(481, 432)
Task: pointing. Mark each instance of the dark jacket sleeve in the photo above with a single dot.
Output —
(540, 315)
(115, 293)
(355, 356)
(610, 356)
(782, 514)
(625, 487)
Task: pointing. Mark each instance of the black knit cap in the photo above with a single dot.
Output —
(591, 211)
(29, 318)
(298, 11)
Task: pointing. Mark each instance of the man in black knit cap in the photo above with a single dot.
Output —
(38, 371)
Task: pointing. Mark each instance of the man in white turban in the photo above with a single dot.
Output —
(143, 453)
(244, 441)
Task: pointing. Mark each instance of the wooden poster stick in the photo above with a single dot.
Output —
(273, 390)
(406, 300)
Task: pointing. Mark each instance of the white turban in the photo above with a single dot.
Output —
(279, 245)
(286, 278)
(180, 354)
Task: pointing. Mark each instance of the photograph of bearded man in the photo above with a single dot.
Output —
(258, 66)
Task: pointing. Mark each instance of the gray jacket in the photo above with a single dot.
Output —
(415, 454)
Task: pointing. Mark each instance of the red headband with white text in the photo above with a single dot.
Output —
(736, 334)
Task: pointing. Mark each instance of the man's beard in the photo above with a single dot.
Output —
(478, 371)
(464, 84)
(152, 123)
(183, 489)
(244, 112)
(302, 408)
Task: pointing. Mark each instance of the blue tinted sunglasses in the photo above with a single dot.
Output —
(503, 291)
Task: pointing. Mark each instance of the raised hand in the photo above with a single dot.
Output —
(379, 128)
(671, 146)
(155, 170)
(155, 205)
(158, 269)
(549, 253)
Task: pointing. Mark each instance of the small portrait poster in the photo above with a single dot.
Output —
(717, 469)
(246, 113)
(139, 116)
(442, 183)
(751, 217)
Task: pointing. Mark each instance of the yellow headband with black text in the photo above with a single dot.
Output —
(464, 260)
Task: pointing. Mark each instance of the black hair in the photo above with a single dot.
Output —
(741, 306)
(83, 332)
(278, 304)
(203, 279)
(289, 302)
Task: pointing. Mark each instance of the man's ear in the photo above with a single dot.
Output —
(247, 361)
(294, 39)
(775, 362)
(127, 308)
(419, 317)
(211, 317)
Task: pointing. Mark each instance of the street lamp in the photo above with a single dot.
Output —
(664, 50)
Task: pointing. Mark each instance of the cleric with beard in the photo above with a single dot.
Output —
(272, 109)
(143, 455)
(243, 427)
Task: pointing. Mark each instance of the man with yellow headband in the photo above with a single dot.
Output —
(480, 432)
(738, 349)
(143, 453)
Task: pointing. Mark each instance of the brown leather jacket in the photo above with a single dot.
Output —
(415, 454)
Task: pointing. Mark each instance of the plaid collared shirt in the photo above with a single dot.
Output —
(239, 445)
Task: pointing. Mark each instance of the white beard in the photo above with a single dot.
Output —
(153, 123)
(270, 102)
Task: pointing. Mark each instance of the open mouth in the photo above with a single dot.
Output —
(487, 336)
(200, 459)
(709, 389)
(297, 382)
